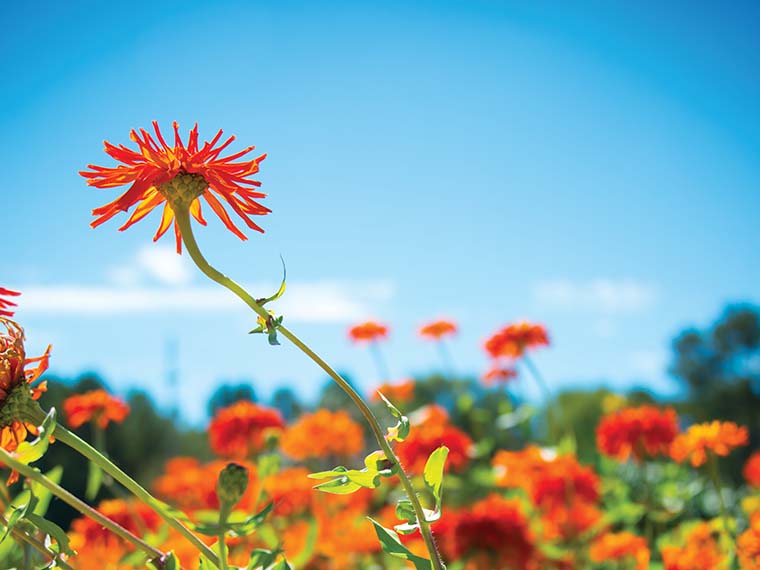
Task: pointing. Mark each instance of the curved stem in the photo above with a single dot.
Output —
(34, 475)
(183, 220)
(79, 445)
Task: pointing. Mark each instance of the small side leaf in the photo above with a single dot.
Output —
(401, 430)
(30, 451)
(52, 530)
(391, 545)
(433, 476)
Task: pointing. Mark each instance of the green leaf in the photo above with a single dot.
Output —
(401, 430)
(52, 530)
(282, 565)
(262, 558)
(169, 562)
(30, 451)
(281, 290)
(94, 481)
(391, 545)
(345, 479)
(433, 476)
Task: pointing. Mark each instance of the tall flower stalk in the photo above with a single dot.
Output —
(175, 178)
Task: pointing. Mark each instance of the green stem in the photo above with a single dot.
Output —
(38, 546)
(544, 387)
(34, 475)
(82, 447)
(380, 363)
(712, 466)
(223, 515)
(183, 220)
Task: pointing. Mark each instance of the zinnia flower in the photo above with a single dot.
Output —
(499, 375)
(621, 547)
(513, 340)
(645, 431)
(700, 550)
(715, 437)
(240, 430)
(751, 470)
(438, 329)
(178, 177)
(368, 332)
(323, 433)
(6, 304)
(17, 373)
(97, 405)
(493, 533)
(398, 392)
(430, 430)
(748, 547)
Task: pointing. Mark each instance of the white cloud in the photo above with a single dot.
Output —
(320, 301)
(602, 296)
(153, 263)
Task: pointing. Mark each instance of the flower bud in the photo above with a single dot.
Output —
(231, 484)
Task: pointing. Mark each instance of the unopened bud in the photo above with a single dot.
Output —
(231, 484)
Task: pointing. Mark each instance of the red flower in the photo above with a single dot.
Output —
(178, 176)
(429, 433)
(751, 470)
(17, 372)
(645, 431)
(240, 430)
(368, 332)
(513, 340)
(716, 437)
(438, 329)
(499, 375)
(6, 304)
(493, 533)
(96, 405)
(322, 434)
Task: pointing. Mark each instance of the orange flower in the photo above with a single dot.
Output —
(513, 340)
(321, 434)
(700, 551)
(715, 437)
(430, 430)
(748, 547)
(620, 546)
(438, 329)
(178, 176)
(368, 332)
(191, 486)
(499, 375)
(240, 430)
(492, 533)
(290, 490)
(645, 431)
(751, 470)
(398, 393)
(17, 373)
(96, 405)
(565, 492)
(6, 304)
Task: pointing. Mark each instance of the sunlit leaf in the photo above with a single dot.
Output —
(30, 451)
(391, 545)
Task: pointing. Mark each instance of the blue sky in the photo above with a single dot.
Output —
(592, 165)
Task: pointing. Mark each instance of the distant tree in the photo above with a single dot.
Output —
(286, 401)
(228, 394)
(720, 366)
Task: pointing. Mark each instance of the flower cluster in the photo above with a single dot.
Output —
(645, 431)
(514, 340)
(700, 440)
(368, 332)
(240, 430)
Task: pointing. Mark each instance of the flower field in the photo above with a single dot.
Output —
(433, 473)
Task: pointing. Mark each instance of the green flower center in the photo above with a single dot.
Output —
(183, 189)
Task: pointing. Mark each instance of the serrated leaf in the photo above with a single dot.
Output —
(30, 451)
(433, 476)
(391, 545)
(52, 530)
